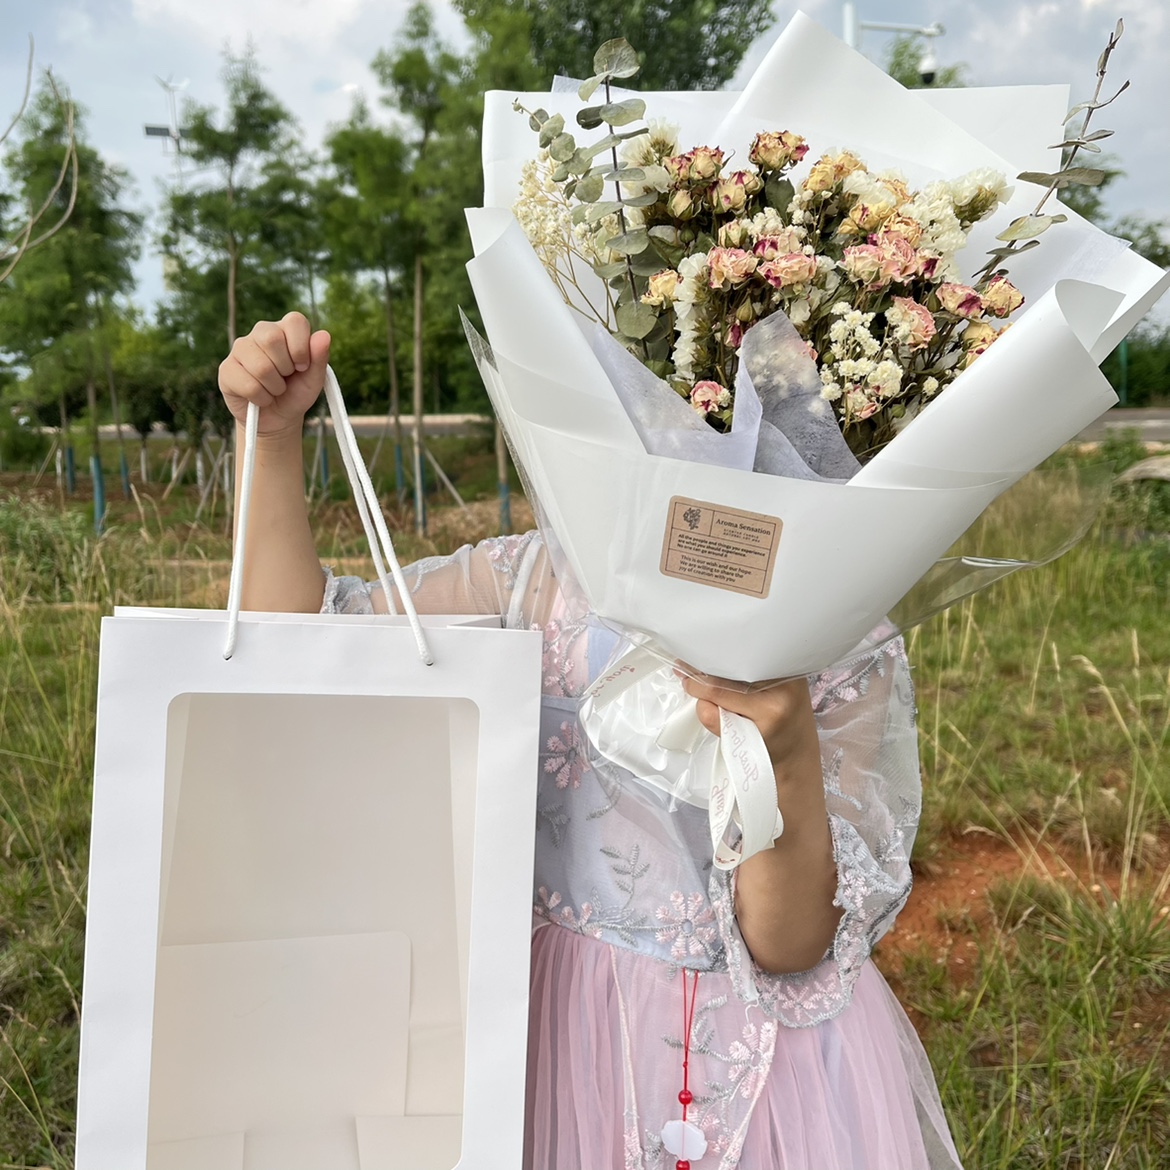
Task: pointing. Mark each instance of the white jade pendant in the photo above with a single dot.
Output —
(684, 1139)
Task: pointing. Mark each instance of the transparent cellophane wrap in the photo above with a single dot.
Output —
(635, 494)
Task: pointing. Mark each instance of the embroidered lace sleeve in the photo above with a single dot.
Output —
(502, 575)
(869, 754)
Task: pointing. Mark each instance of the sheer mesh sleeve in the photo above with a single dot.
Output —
(869, 754)
(505, 575)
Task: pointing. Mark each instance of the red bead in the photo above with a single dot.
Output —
(685, 1097)
(682, 1166)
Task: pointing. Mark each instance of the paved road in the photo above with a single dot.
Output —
(1152, 425)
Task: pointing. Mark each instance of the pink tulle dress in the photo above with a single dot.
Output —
(815, 1071)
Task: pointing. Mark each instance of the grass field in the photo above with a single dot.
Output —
(1035, 956)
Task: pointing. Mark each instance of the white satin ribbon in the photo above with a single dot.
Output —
(638, 716)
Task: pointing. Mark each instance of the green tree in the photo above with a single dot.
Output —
(366, 208)
(55, 305)
(219, 228)
(684, 44)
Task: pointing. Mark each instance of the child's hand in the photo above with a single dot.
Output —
(280, 366)
(783, 712)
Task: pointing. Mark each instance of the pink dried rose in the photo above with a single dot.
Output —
(729, 266)
(913, 322)
(733, 191)
(863, 263)
(769, 247)
(899, 260)
(772, 150)
(701, 165)
(1001, 298)
(789, 269)
(708, 397)
(960, 299)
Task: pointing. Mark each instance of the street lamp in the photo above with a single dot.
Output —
(927, 63)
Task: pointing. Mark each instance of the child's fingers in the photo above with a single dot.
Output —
(235, 379)
(318, 354)
(257, 360)
(297, 334)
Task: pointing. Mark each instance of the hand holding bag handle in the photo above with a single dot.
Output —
(369, 509)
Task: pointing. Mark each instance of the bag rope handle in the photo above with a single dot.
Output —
(369, 510)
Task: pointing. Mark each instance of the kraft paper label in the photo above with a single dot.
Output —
(721, 547)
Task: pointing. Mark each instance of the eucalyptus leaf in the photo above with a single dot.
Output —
(611, 271)
(589, 188)
(616, 58)
(1028, 226)
(629, 243)
(648, 199)
(561, 173)
(612, 140)
(537, 119)
(562, 148)
(1086, 176)
(625, 175)
(659, 369)
(589, 118)
(636, 319)
(623, 112)
(1007, 253)
(551, 128)
(580, 163)
(588, 87)
(646, 263)
(598, 211)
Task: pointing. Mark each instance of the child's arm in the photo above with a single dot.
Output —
(784, 895)
(280, 366)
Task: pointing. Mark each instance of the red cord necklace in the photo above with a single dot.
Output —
(684, 1139)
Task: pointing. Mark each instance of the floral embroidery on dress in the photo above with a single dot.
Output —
(688, 924)
(563, 658)
(506, 554)
(751, 1058)
(564, 757)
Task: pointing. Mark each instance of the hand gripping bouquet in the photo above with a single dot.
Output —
(755, 407)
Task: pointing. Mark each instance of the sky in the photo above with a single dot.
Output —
(315, 56)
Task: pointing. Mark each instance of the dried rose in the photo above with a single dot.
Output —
(729, 266)
(863, 263)
(960, 299)
(769, 247)
(1001, 298)
(772, 150)
(707, 397)
(792, 268)
(913, 323)
(661, 288)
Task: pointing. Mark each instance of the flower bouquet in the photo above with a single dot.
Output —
(689, 394)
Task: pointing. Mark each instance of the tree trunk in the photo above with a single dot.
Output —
(233, 270)
(124, 467)
(420, 518)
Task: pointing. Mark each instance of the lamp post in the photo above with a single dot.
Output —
(851, 29)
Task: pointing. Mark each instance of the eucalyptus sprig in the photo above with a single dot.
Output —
(1021, 234)
(584, 177)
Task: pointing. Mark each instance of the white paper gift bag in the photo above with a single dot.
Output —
(310, 894)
